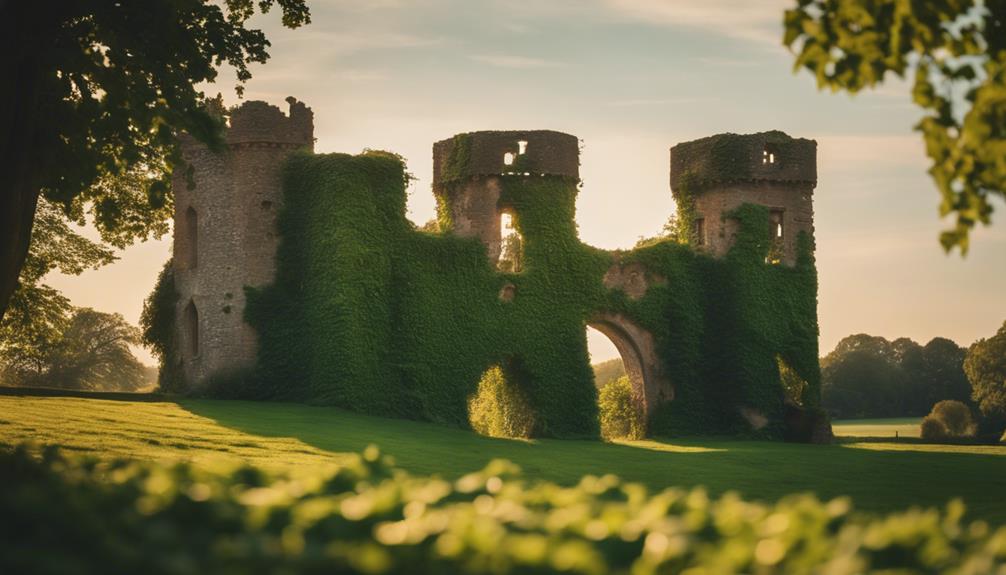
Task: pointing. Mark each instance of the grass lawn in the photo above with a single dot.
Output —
(879, 476)
(899, 427)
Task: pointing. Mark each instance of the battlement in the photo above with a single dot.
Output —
(261, 123)
(496, 153)
(724, 158)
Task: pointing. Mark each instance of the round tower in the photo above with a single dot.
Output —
(715, 175)
(467, 173)
(225, 235)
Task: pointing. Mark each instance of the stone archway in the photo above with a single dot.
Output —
(636, 346)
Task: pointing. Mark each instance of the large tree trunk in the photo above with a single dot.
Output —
(19, 159)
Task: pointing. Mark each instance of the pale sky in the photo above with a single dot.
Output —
(631, 78)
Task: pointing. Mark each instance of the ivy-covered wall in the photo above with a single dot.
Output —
(371, 314)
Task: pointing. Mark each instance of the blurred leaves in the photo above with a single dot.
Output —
(956, 51)
(369, 517)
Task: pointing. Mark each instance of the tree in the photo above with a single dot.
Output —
(38, 314)
(956, 50)
(869, 376)
(673, 230)
(92, 353)
(985, 366)
(94, 95)
(608, 371)
(862, 383)
(619, 413)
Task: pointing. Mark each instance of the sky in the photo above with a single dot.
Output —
(631, 78)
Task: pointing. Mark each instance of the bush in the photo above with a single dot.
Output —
(934, 429)
(949, 419)
(70, 514)
(620, 415)
(500, 408)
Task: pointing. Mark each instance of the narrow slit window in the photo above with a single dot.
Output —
(192, 234)
(511, 258)
(192, 329)
(776, 217)
(770, 155)
(700, 231)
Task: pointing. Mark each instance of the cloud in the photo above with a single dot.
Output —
(758, 21)
(720, 62)
(640, 102)
(856, 152)
(515, 62)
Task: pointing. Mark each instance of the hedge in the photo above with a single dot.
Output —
(71, 514)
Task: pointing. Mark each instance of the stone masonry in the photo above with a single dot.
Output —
(225, 232)
(723, 172)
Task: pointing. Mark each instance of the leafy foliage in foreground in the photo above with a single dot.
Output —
(71, 514)
(956, 49)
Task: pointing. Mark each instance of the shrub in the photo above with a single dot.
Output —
(71, 514)
(500, 408)
(619, 411)
(934, 429)
(954, 417)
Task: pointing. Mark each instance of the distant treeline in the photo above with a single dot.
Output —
(869, 376)
(608, 371)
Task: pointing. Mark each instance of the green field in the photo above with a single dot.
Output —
(900, 427)
(879, 476)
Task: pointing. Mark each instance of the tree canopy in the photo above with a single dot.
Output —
(955, 51)
(91, 352)
(869, 376)
(37, 314)
(985, 366)
(98, 91)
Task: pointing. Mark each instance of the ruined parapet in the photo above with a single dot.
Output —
(713, 176)
(225, 232)
(467, 172)
(258, 122)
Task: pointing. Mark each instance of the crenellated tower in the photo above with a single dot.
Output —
(712, 176)
(225, 232)
(467, 172)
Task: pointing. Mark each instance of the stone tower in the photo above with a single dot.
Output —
(467, 170)
(225, 234)
(721, 172)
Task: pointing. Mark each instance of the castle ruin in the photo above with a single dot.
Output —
(226, 241)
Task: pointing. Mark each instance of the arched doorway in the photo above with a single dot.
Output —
(636, 347)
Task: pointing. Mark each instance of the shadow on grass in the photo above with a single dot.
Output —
(877, 480)
(57, 392)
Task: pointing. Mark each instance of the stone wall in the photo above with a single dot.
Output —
(720, 173)
(474, 196)
(794, 201)
(235, 200)
(723, 158)
(545, 152)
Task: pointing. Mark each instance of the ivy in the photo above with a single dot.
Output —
(158, 324)
(371, 314)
